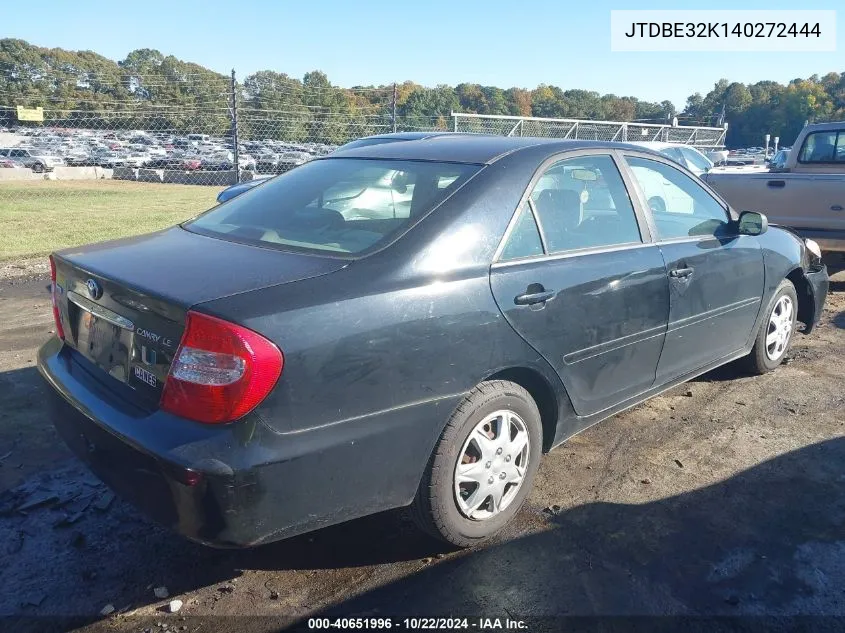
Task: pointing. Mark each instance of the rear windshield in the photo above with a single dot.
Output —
(337, 205)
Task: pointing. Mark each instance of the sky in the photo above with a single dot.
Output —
(363, 42)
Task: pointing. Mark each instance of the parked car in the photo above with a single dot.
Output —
(136, 159)
(280, 163)
(216, 164)
(8, 163)
(165, 162)
(78, 160)
(807, 193)
(109, 159)
(685, 155)
(246, 161)
(304, 369)
(37, 161)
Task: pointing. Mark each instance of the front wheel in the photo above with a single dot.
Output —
(38, 168)
(775, 335)
(483, 466)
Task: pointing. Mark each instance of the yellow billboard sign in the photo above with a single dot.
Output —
(30, 114)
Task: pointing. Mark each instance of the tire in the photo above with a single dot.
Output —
(765, 357)
(38, 168)
(437, 508)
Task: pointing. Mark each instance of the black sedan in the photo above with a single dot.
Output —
(406, 324)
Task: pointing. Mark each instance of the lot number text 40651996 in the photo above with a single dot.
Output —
(480, 624)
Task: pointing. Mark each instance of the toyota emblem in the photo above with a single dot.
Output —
(94, 289)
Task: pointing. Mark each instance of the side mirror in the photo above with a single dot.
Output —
(752, 223)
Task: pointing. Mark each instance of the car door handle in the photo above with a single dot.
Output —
(535, 294)
(780, 184)
(680, 273)
(836, 207)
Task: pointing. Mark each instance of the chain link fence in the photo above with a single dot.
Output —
(103, 156)
(697, 136)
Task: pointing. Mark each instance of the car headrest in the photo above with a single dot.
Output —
(560, 206)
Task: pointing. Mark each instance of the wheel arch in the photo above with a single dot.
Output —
(806, 305)
(543, 393)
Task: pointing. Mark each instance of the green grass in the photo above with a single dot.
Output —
(39, 217)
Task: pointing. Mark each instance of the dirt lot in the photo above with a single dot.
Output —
(724, 497)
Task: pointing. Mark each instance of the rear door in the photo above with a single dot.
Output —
(715, 276)
(577, 278)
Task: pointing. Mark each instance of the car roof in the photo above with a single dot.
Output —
(413, 136)
(832, 125)
(477, 149)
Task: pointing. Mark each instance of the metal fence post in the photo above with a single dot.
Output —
(394, 106)
(235, 128)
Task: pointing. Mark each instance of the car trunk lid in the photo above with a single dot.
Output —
(123, 303)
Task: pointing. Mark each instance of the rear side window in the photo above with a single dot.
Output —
(524, 240)
(345, 206)
(823, 147)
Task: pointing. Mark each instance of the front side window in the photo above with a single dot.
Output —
(583, 203)
(345, 206)
(823, 147)
(679, 205)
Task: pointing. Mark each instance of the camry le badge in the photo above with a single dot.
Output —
(94, 289)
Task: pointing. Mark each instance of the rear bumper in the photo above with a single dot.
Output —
(240, 484)
(158, 470)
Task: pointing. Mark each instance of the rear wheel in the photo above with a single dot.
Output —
(775, 335)
(483, 465)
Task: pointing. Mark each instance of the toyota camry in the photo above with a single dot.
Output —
(406, 324)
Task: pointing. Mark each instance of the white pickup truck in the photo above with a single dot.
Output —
(806, 194)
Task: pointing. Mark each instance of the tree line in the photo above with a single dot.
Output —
(150, 90)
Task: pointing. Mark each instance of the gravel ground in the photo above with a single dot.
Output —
(726, 496)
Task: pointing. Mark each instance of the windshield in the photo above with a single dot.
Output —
(337, 205)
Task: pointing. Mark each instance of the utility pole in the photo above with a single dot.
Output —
(235, 143)
(394, 106)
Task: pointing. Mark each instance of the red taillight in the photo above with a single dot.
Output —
(220, 372)
(57, 316)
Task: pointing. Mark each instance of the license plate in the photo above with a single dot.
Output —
(105, 344)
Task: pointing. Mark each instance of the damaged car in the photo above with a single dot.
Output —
(406, 324)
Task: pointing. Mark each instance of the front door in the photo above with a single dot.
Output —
(715, 276)
(575, 279)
